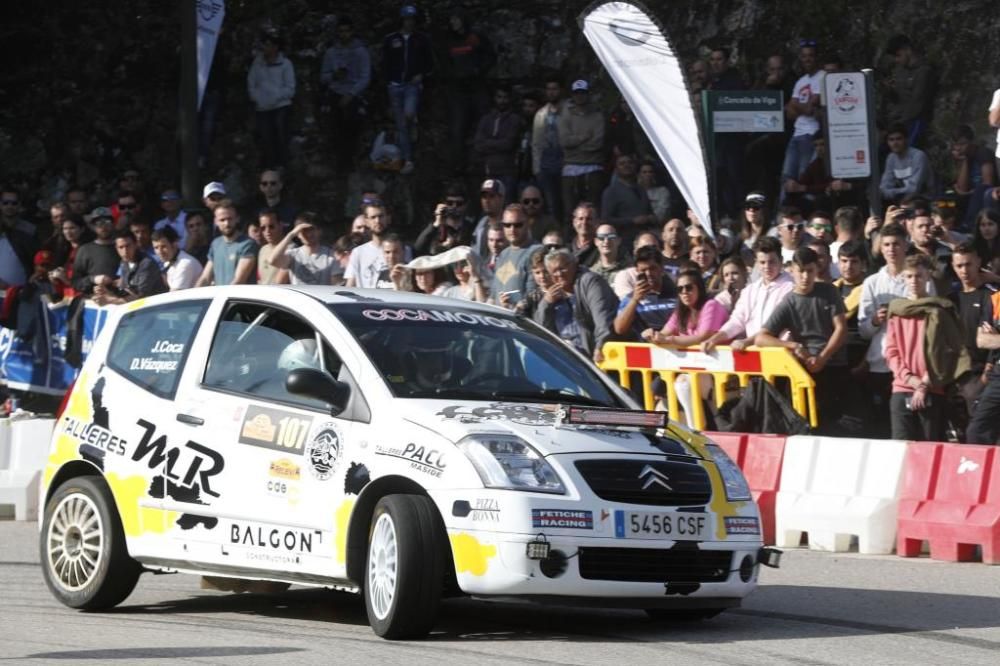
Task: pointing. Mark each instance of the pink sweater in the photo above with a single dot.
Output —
(711, 318)
(904, 351)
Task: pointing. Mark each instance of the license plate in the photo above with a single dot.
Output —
(676, 526)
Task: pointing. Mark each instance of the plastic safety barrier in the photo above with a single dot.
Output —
(836, 488)
(760, 457)
(723, 362)
(24, 448)
(951, 499)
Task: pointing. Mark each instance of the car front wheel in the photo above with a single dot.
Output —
(404, 570)
(84, 559)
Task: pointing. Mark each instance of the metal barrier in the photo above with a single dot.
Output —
(723, 362)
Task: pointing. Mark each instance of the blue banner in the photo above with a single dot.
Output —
(39, 365)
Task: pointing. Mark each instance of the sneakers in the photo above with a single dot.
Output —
(407, 168)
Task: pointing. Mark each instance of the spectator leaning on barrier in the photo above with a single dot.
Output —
(813, 315)
(924, 349)
(696, 318)
(232, 257)
(757, 301)
(139, 275)
(653, 299)
(733, 273)
(578, 306)
(180, 269)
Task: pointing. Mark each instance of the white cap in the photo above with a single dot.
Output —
(215, 187)
(580, 84)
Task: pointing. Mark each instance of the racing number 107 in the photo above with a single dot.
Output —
(292, 433)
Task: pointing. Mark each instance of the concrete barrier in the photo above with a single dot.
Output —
(760, 457)
(24, 448)
(836, 488)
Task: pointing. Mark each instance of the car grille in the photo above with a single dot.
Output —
(651, 482)
(655, 565)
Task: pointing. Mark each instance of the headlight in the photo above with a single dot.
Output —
(737, 489)
(506, 461)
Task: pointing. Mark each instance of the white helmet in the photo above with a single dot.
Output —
(299, 354)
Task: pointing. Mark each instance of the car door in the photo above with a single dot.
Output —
(282, 451)
(133, 436)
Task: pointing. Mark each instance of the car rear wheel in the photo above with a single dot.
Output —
(404, 569)
(682, 615)
(82, 544)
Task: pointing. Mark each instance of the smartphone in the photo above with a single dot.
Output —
(909, 402)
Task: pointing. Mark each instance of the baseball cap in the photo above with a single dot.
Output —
(755, 199)
(580, 84)
(493, 186)
(215, 187)
(102, 213)
(408, 10)
(170, 195)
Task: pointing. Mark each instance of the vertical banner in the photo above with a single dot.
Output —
(847, 112)
(210, 15)
(644, 66)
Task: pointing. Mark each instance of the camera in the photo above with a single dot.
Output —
(907, 213)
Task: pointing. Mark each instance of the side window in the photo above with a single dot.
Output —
(256, 346)
(151, 345)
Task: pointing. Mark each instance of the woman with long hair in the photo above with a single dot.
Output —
(733, 276)
(756, 221)
(63, 245)
(433, 281)
(986, 235)
(696, 318)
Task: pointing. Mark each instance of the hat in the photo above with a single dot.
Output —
(101, 213)
(215, 187)
(493, 186)
(755, 199)
(580, 84)
(407, 11)
(170, 195)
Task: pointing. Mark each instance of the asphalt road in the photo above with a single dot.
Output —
(817, 609)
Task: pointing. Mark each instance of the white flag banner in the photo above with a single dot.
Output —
(642, 62)
(210, 15)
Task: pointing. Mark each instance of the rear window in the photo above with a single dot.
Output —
(151, 345)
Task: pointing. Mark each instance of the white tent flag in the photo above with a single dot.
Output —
(644, 66)
(210, 15)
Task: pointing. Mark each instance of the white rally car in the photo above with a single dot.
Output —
(402, 446)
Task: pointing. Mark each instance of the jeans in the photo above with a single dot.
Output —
(404, 98)
(345, 126)
(549, 182)
(273, 128)
(798, 155)
(985, 425)
(927, 425)
(575, 189)
(464, 109)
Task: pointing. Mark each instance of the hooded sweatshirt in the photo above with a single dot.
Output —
(271, 85)
(352, 59)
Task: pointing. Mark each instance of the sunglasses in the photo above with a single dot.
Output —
(607, 237)
(824, 227)
(685, 288)
(527, 202)
(516, 225)
(268, 183)
(552, 246)
(126, 206)
(792, 227)
(9, 202)
(807, 43)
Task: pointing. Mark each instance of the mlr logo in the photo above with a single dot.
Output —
(966, 465)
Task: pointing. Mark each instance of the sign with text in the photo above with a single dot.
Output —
(847, 125)
(744, 110)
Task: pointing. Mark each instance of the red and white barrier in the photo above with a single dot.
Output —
(759, 456)
(836, 488)
(24, 448)
(951, 499)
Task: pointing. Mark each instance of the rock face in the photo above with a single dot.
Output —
(92, 88)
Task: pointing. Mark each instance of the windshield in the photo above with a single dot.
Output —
(452, 352)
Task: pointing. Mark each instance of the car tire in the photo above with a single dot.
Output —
(82, 545)
(404, 567)
(682, 615)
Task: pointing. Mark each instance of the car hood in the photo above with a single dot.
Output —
(536, 424)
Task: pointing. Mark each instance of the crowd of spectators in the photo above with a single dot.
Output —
(575, 225)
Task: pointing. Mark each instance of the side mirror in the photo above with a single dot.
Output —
(318, 385)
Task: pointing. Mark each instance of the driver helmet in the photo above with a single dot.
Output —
(299, 354)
